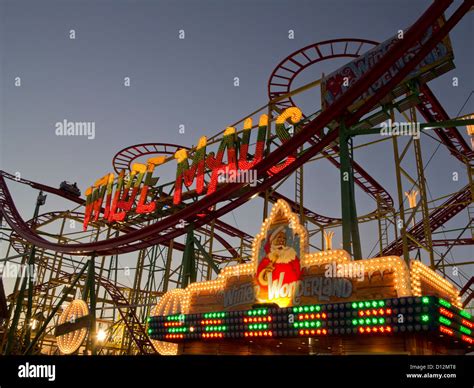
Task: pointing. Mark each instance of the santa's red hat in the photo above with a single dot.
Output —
(272, 237)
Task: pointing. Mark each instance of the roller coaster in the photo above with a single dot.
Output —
(70, 261)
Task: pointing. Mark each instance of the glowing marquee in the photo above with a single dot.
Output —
(278, 251)
(128, 193)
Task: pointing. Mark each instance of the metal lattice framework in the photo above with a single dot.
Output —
(58, 255)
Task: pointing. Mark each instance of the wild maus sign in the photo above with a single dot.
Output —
(129, 193)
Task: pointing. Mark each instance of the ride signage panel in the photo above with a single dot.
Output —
(384, 317)
(112, 198)
(335, 84)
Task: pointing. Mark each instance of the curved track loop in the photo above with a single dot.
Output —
(20, 245)
(129, 154)
(198, 212)
(288, 69)
(125, 157)
(280, 83)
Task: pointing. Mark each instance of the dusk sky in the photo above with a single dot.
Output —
(190, 82)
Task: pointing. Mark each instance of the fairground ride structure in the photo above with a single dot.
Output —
(72, 264)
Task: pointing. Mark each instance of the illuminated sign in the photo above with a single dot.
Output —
(129, 193)
(278, 270)
(319, 287)
(335, 84)
(278, 251)
(359, 318)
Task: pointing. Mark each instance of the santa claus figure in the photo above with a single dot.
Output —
(280, 260)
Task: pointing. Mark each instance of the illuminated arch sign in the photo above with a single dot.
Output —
(278, 250)
(129, 193)
(282, 272)
(286, 291)
(280, 268)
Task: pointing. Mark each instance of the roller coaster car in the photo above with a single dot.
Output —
(70, 188)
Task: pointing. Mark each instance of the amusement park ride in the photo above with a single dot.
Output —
(76, 303)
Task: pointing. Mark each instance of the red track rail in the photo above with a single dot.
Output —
(433, 111)
(219, 225)
(280, 83)
(166, 229)
(125, 157)
(438, 217)
(20, 245)
(128, 155)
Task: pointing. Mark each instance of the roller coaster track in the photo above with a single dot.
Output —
(452, 206)
(125, 158)
(47, 217)
(135, 328)
(433, 111)
(279, 89)
(235, 194)
(20, 245)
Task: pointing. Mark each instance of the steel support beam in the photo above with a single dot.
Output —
(28, 278)
(350, 226)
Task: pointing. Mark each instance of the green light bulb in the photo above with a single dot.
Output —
(445, 303)
(445, 321)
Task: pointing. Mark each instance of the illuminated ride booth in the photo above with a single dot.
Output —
(287, 300)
